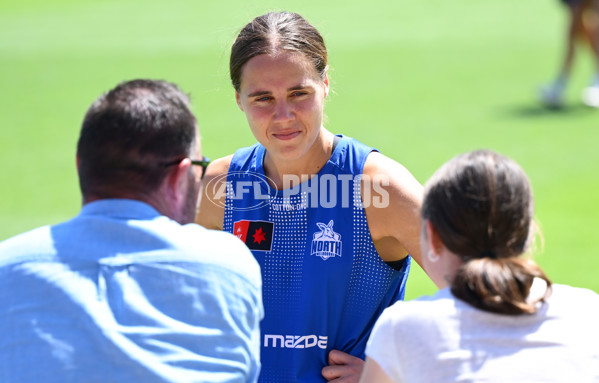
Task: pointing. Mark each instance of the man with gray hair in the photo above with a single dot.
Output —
(130, 290)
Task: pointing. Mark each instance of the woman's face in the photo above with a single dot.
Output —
(282, 97)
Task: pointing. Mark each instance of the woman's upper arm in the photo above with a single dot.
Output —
(393, 212)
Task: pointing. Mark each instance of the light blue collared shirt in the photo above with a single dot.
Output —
(121, 293)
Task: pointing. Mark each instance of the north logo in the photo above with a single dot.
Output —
(326, 243)
(257, 235)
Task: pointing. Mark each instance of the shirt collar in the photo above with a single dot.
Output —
(120, 208)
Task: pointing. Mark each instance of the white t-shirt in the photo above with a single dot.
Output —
(443, 339)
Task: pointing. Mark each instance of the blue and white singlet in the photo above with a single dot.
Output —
(324, 284)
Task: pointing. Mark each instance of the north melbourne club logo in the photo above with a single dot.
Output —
(326, 243)
(257, 235)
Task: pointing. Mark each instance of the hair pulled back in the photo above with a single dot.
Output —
(274, 32)
(481, 205)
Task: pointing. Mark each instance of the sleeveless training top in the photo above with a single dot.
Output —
(324, 284)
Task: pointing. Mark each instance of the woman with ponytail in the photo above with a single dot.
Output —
(497, 317)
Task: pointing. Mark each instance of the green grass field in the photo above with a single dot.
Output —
(421, 81)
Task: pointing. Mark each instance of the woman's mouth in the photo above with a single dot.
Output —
(286, 136)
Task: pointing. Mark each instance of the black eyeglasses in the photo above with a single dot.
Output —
(204, 162)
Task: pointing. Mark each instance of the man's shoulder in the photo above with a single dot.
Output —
(34, 243)
(217, 240)
(218, 248)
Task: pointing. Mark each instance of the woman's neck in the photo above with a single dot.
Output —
(288, 173)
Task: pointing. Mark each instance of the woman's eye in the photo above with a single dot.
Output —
(263, 98)
(299, 93)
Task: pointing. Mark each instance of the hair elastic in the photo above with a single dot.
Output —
(488, 254)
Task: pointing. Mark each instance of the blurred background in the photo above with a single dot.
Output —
(421, 81)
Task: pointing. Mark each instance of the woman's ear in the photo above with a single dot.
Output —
(238, 99)
(434, 240)
(326, 81)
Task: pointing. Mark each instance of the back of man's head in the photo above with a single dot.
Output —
(128, 136)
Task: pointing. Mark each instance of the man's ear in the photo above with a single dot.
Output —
(177, 180)
(238, 99)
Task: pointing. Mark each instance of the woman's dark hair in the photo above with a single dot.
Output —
(127, 136)
(273, 32)
(481, 205)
